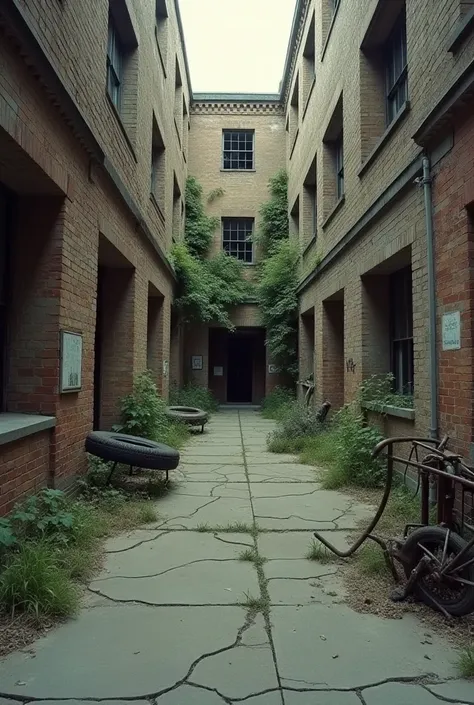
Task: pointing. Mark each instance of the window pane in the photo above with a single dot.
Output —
(238, 149)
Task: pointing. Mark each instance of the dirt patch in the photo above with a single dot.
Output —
(17, 633)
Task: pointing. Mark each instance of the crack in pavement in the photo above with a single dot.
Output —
(232, 543)
(146, 603)
(311, 577)
(167, 570)
(139, 543)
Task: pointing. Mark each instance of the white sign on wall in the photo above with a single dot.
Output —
(451, 330)
(71, 362)
(165, 368)
(218, 371)
(272, 369)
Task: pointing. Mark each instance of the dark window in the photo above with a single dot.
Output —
(339, 158)
(401, 325)
(238, 149)
(114, 65)
(396, 69)
(237, 238)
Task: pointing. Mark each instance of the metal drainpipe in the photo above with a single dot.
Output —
(427, 191)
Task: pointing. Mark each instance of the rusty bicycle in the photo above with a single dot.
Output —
(437, 559)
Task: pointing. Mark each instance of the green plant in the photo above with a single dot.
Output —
(277, 402)
(320, 450)
(143, 412)
(199, 228)
(378, 391)
(278, 302)
(34, 583)
(318, 552)
(371, 560)
(274, 224)
(355, 443)
(298, 423)
(215, 193)
(42, 516)
(194, 395)
(7, 537)
(466, 662)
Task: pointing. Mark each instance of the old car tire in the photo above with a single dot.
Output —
(132, 450)
(188, 414)
(433, 538)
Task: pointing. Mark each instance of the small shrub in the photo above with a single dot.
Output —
(320, 450)
(466, 662)
(378, 390)
(371, 560)
(42, 516)
(299, 422)
(143, 411)
(176, 435)
(194, 395)
(355, 443)
(277, 404)
(34, 582)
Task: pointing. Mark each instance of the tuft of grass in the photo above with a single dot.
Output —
(371, 560)
(255, 604)
(176, 435)
(33, 582)
(318, 552)
(203, 528)
(280, 444)
(250, 555)
(319, 450)
(465, 664)
(236, 528)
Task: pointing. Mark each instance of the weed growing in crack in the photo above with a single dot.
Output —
(318, 552)
(465, 662)
(255, 604)
(203, 528)
(371, 560)
(250, 555)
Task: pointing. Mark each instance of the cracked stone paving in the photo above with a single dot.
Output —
(176, 617)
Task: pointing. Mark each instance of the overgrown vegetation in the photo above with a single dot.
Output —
(378, 391)
(143, 413)
(277, 403)
(466, 662)
(194, 395)
(298, 423)
(208, 286)
(278, 278)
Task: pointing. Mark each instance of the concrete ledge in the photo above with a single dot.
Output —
(13, 427)
(390, 410)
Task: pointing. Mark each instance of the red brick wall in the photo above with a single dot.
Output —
(24, 468)
(453, 196)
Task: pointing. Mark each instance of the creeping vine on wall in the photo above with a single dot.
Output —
(278, 278)
(208, 286)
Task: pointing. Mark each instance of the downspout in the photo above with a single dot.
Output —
(433, 367)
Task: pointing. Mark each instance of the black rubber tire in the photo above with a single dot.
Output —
(432, 537)
(132, 450)
(188, 415)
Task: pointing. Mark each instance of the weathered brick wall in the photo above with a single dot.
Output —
(25, 468)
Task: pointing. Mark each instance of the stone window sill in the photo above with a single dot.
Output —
(157, 206)
(311, 89)
(122, 126)
(335, 210)
(239, 171)
(309, 244)
(390, 410)
(14, 427)
(402, 113)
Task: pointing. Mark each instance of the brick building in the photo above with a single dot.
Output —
(98, 131)
(94, 118)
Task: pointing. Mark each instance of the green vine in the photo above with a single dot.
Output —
(377, 391)
(208, 286)
(278, 278)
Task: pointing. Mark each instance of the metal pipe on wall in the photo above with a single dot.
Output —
(433, 366)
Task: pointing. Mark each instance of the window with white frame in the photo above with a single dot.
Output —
(237, 238)
(238, 149)
(115, 58)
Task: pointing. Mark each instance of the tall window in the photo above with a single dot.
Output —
(396, 69)
(401, 333)
(115, 56)
(339, 163)
(238, 152)
(237, 238)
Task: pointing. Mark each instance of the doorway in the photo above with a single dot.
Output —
(240, 363)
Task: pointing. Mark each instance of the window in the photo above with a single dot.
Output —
(339, 163)
(309, 64)
(161, 30)
(401, 330)
(178, 101)
(294, 113)
(396, 69)
(237, 238)
(115, 56)
(177, 211)
(310, 204)
(158, 166)
(238, 152)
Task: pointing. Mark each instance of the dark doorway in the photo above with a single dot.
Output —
(240, 365)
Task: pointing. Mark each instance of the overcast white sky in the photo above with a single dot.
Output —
(244, 49)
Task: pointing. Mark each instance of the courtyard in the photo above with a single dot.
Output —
(217, 603)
